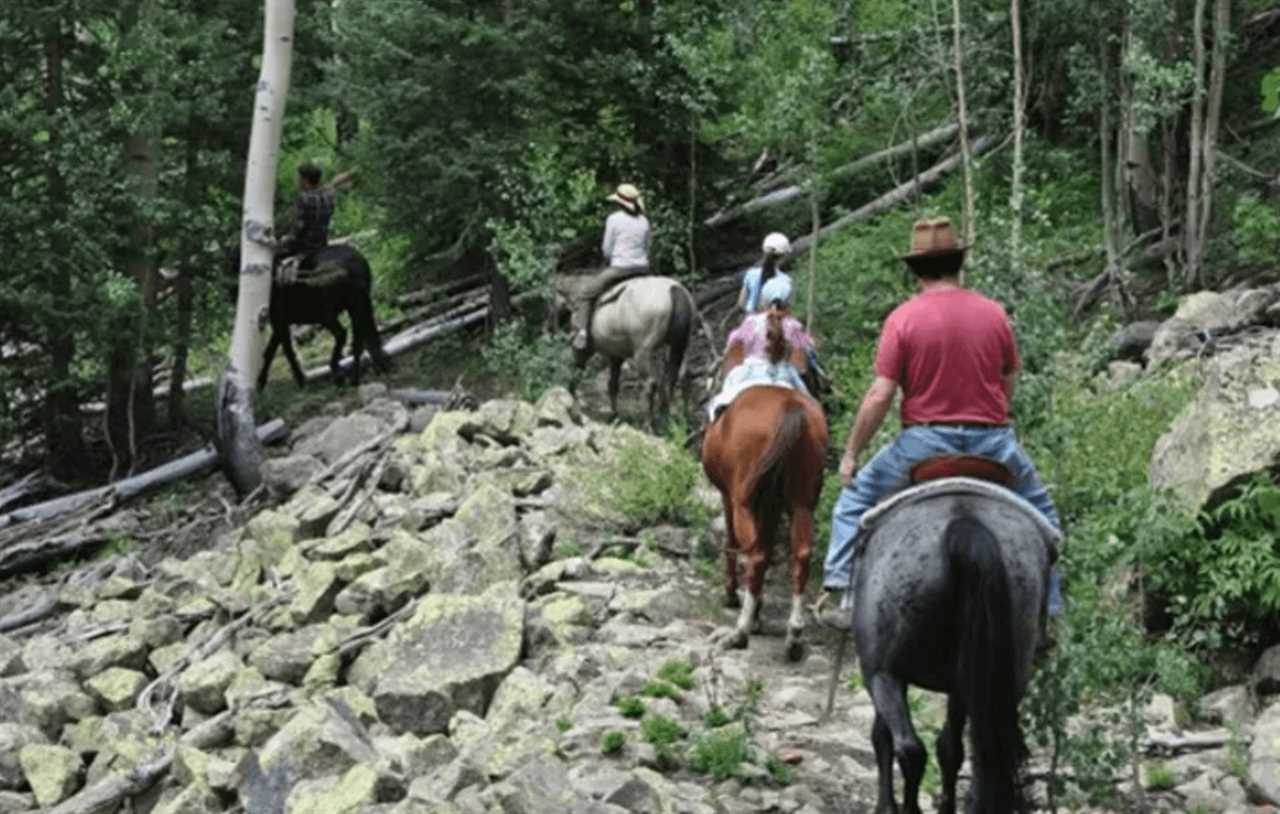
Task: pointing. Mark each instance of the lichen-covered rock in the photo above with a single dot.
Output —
(203, 685)
(288, 656)
(356, 538)
(116, 689)
(13, 737)
(416, 756)
(156, 631)
(557, 408)
(382, 590)
(444, 435)
(435, 473)
(319, 741)
(52, 699)
(46, 652)
(445, 782)
(286, 474)
(314, 588)
(162, 658)
(11, 662)
(341, 436)
(504, 420)
(313, 508)
(450, 655)
(53, 772)
(477, 548)
(347, 794)
(1264, 757)
(127, 742)
(194, 798)
(1230, 430)
(84, 736)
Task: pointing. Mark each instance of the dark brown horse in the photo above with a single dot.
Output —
(765, 454)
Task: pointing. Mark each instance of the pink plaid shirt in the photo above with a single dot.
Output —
(751, 333)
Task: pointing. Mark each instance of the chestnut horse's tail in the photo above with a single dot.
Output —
(765, 481)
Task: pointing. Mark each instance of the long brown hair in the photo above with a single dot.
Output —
(775, 335)
(768, 266)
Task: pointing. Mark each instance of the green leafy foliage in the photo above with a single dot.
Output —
(612, 742)
(661, 731)
(630, 707)
(650, 482)
(660, 689)
(678, 673)
(529, 359)
(721, 753)
(1271, 92)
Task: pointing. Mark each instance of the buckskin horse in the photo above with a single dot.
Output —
(633, 320)
(765, 454)
(341, 281)
(949, 593)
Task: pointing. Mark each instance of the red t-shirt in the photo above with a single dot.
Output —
(948, 349)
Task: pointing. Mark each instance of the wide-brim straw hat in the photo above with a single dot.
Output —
(933, 238)
(627, 195)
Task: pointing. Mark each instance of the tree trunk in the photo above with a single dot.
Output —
(1192, 250)
(1019, 127)
(1107, 142)
(238, 444)
(64, 440)
(970, 227)
(816, 219)
(183, 294)
(1213, 117)
(130, 404)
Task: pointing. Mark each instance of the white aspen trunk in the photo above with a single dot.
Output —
(1192, 252)
(1019, 125)
(238, 444)
(1213, 116)
(970, 228)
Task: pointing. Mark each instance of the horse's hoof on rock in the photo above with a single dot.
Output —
(795, 649)
(731, 639)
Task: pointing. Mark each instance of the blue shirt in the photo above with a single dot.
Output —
(751, 282)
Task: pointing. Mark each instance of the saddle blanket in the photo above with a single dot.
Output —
(963, 486)
(755, 373)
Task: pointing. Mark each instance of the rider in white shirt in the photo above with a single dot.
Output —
(626, 250)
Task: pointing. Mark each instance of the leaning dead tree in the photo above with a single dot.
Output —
(238, 445)
(793, 192)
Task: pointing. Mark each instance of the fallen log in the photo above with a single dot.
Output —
(30, 484)
(45, 606)
(791, 193)
(476, 281)
(890, 199)
(454, 399)
(129, 488)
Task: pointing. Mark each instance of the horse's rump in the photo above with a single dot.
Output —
(906, 568)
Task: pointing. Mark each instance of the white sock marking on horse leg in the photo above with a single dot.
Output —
(796, 622)
(747, 613)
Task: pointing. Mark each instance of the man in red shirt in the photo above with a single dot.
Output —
(952, 352)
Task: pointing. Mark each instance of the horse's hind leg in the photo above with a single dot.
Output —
(890, 698)
(286, 342)
(269, 355)
(951, 753)
(615, 384)
(801, 551)
(731, 599)
(339, 345)
(882, 741)
(747, 534)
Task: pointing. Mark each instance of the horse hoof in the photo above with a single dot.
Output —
(795, 648)
(731, 639)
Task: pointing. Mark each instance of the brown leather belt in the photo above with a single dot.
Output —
(978, 425)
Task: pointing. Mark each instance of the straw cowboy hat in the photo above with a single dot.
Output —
(933, 238)
(628, 196)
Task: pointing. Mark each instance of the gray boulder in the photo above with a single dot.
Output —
(1230, 430)
(342, 436)
(449, 656)
(289, 473)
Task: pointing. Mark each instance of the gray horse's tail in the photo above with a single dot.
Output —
(679, 329)
(987, 665)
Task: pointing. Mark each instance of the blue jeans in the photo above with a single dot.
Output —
(889, 471)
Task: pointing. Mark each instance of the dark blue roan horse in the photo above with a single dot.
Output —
(949, 595)
(340, 281)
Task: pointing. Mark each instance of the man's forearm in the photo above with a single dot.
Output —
(870, 416)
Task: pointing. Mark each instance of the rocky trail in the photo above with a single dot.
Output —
(442, 611)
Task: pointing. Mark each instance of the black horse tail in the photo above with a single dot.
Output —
(363, 323)
(987, 665)
(679, 329)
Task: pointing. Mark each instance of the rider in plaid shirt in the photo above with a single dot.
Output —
(314, 211)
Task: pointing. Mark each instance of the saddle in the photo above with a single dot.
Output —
(962, 466)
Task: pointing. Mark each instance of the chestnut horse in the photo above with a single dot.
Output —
(765, 453)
